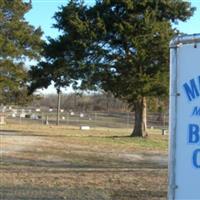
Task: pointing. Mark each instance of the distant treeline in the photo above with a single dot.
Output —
(96, 102)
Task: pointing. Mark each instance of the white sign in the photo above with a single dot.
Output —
(184, 162)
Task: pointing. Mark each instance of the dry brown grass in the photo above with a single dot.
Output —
(54, 163)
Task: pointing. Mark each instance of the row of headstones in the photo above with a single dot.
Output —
(34, 116)
(10, 109)
(24, 114)
(15, 111)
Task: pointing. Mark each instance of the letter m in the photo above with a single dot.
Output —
(191, 90)
(196, 111)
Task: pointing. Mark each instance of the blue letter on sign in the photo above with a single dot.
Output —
(191, 90)
(193, 133)
(196, 111)
(195, 158)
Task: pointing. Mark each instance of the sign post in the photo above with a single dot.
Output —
(184, 148)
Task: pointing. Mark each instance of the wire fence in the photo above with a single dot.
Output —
(90, 119)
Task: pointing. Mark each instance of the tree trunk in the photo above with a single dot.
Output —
(140, 127)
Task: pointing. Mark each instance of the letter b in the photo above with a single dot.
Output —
(193, 133)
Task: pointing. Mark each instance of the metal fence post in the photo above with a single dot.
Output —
(128, 120)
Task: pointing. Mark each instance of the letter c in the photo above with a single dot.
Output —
(195, 158)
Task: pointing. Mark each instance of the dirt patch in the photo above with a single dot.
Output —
(11, 142)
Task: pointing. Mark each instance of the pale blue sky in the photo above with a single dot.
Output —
(43, 11)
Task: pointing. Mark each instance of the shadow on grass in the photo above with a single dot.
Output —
(81, 163)
(9, 132)
(118, 137)
(24, 134)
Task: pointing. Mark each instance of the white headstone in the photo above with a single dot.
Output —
(34, 116)
(13, 115)
(72, 113)
(85, 127)
(37, 109)
(4, 109)
(22, 115)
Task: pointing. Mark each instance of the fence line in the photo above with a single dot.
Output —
(93, 119)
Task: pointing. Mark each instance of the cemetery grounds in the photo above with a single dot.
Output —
(48, 162)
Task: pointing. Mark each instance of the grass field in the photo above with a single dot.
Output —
(49, 162)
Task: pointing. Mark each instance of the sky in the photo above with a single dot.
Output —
(42, 13)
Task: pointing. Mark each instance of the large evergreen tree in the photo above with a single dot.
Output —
(120, 47)
(19, 42)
